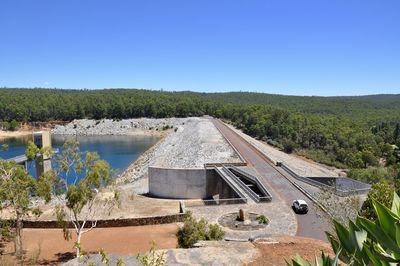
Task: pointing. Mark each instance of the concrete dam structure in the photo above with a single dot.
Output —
(201, 164)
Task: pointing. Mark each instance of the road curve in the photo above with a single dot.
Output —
(311, 225)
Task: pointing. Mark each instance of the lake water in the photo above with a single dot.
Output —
(118, 151)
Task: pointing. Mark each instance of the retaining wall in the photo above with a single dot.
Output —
(174, 218)
(178, 183)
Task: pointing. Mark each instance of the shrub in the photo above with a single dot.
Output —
(195, 230)
(288, 145)
(11, 126)
(262, 219)
(152, 258)
(381, 192)
(215, 232)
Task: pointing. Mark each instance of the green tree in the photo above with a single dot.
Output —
(369, 158)
(17, 188)
(83, 185)
(381, 192)
(13, 125)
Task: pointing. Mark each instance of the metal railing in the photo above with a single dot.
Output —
(340, 191)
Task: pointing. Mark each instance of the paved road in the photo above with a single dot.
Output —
(309, 225)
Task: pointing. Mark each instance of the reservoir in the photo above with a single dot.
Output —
(118, 151)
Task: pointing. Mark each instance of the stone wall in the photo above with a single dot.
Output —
(174, 218)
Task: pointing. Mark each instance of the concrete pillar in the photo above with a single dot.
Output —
(42, 139)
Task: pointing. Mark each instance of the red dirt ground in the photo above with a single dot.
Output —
(117, 240)
(288, 248)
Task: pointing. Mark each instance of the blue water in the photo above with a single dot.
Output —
(118, 151)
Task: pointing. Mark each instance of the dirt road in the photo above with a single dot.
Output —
(310, 225)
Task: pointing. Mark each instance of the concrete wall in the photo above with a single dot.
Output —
(217, 187)
(178, 183)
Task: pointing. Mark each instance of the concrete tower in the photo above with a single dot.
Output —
(42, 139)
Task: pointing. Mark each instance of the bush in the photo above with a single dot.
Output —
(288, 145)
(10, 126)
(195, 230)
(262, 219)
(215, 232)
(381, 192)
(152, 258)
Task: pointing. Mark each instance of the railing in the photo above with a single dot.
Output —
(22, 158)
(338, 190)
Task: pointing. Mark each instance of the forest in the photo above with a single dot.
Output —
(360, 133)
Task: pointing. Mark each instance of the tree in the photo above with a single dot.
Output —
(369, 158)
(381, 192)
(13, 125)
(81, 183)
(17, 188)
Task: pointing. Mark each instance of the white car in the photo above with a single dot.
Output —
(300, 206)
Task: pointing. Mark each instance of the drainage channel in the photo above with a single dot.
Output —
(249, 183)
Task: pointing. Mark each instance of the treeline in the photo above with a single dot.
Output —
(354, 132)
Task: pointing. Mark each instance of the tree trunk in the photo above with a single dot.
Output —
(78, 243)
(18, 237)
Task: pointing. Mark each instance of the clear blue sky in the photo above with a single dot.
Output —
(295, 47)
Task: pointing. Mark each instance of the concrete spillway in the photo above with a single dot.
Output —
(246, 185)
(231, 181)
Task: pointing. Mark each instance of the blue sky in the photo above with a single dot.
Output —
(287, 47)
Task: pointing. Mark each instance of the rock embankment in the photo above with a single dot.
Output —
(88, 127)
(186, 143)
(194, 144)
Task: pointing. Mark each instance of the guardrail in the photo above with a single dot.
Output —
(338, 190)
(252, 179)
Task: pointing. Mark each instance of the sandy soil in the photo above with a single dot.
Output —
(53, 249)
(288, 248)
(13, 134)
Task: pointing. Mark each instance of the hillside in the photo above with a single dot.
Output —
(346, 132)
